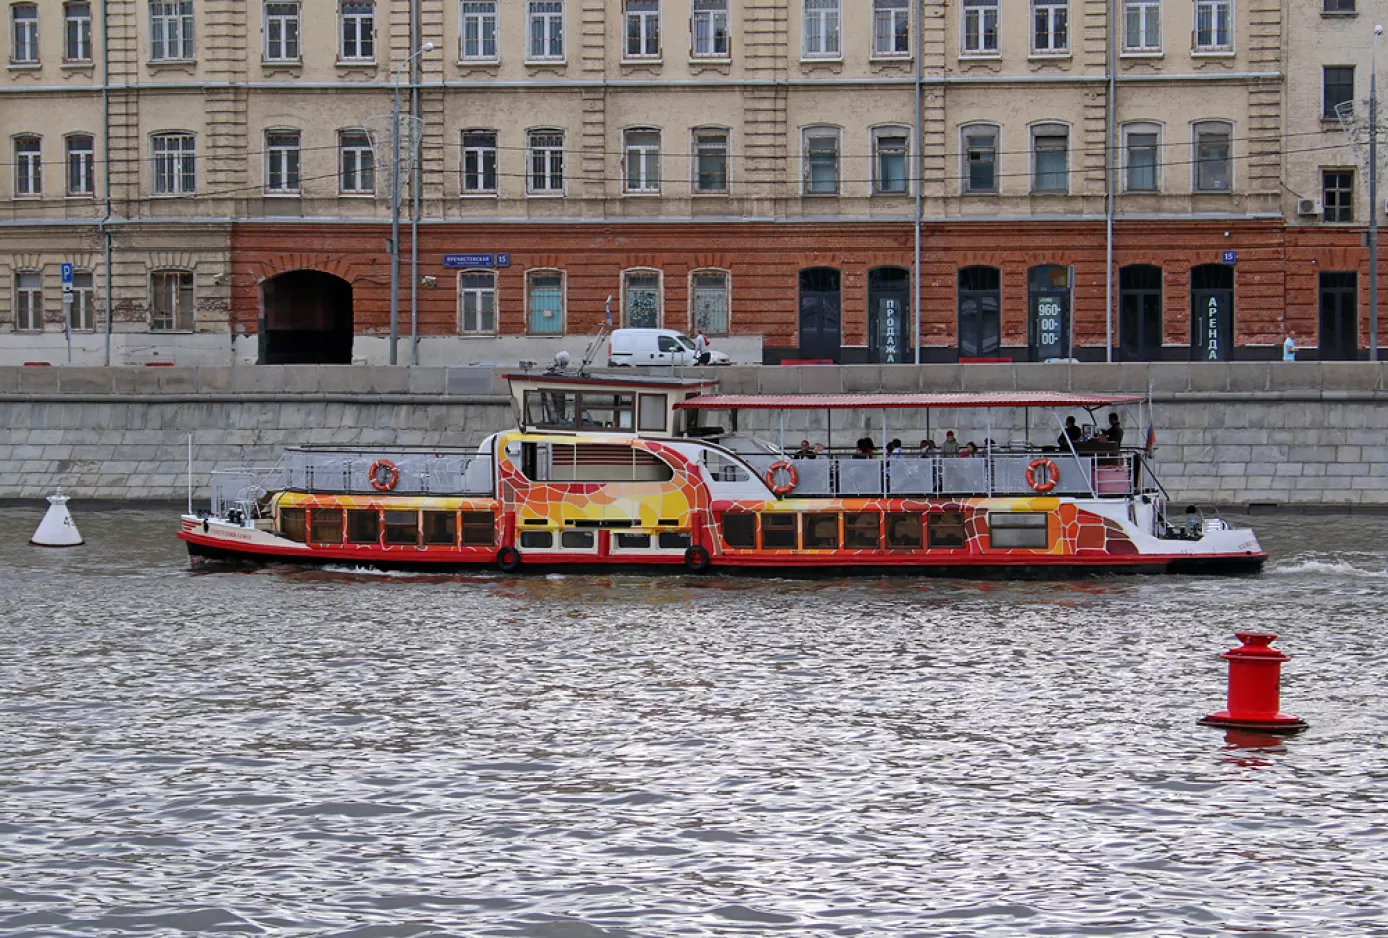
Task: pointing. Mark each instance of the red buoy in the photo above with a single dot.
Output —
(1255, 671)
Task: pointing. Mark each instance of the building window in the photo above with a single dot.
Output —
(24, 30)
(170, 30)
(479, 162)
(980, 27)
(81, 165)
(641, 299)
(80, 312)
(1142, 158)
(171, 301)
(891, 27)
(544, 302)
(282, 32)
(821, 29)
(77, 32)
(282, 162)
(28, 301)
(889, 160)
(358, 165)
(1212, 157)
(28, 167)
(711, 161)
(710, 27)
(980, 159)
(1050, 146)
(643, 29)
(708, 290)
(1339, 6)
(477, 302)
(643, 161)
(546, 29)
(1338, 194)
(175, 164)
(1214, 21)
(546, 162)
(1050, 21)
(821, 161)
(358, 31)
(479, 30)
(1337, 87)
(1142, 25)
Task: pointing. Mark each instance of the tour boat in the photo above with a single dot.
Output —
(652, 471)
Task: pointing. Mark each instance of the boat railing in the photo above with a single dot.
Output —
(243, 489)
(1108, 474)
(337, 472)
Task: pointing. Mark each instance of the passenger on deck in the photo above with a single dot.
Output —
(1071, 434)
(927, 449)
(804, 452)
(818, 451)
(894, 450)
(1114, 432)
(951, 447)
(968, 449)
(1192, 523)
(866, 449)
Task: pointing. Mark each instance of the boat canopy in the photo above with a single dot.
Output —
(901, 401)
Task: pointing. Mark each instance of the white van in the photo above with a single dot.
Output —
(655, 347)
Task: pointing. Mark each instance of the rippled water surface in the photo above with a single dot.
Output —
(297, 753)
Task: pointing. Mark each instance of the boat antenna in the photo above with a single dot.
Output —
(597, 340)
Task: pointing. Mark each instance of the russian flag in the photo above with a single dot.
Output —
(1151, 438)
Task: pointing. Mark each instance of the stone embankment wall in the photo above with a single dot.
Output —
(1297, 434)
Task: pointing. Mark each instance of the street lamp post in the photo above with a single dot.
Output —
(395, 204)
(1373, 198)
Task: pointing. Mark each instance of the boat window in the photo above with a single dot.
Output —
(652, 412)
(778, 531)
(537, 538)
(1017, 529)
(739, 530)
(479, 529)
(606, 462)
(633, 541)
(294, 524)
(674, 540)
(441, 527)
(402, 527)
(722, 469)
(363, 527)
(553, 409)
(327, 525)
(904, 532)
(577, 540)
(605, 411)
(946, 529)
(821, 532)
(860, 530)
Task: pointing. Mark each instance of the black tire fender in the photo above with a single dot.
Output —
(697, 558)
(508, 559)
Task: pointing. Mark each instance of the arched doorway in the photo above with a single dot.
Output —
(306, 319)
(889, 333)
(1212, 312)
(821, 312)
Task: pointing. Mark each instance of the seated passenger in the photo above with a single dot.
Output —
(1070, 435)
(1114, 432)
(866, 449)
(894, 450)
(804, 452)
(927, 449)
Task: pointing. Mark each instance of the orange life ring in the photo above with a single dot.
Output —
(383, 475)
(1052, 474)
(792, 477)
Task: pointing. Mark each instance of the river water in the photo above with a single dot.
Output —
(297, 753)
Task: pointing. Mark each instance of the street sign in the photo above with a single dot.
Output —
(476, 260)
(67, 278)
(1231, 257)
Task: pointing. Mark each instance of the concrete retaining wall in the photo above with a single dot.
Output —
(1233, 434)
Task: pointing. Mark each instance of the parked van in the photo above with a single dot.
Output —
(655, 347)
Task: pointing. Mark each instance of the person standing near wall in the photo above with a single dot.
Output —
(1289, 346)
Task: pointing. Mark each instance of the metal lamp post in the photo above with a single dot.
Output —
(395, 204)
(1373, 198)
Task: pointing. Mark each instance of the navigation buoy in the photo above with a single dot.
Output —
(1255, 671)
(57, 528)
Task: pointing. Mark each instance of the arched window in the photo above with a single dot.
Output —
(1142, 157)
(1214, 156)
(641, 299)
(820, 153)
(544, 302)
(641, 147)
(545, 149)
(709, 301)
(171, 301)
(28, 166)
(710, 160)
(80, 158)
(477, 302)
(174, 155)
(1050, 157)
(979, 146)
(890, 159)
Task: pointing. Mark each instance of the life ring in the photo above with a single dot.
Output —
(383, 475)
(1052, 474)
(508, 559)
(792, 477)
(697, 558)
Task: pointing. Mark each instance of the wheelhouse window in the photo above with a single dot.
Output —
(822, 21)
(175, 164)
(652, 412)
(1050, 148)
(641, 299)
(170, 30)
(544, 302)
(1214, 25)
(821, 161)
(81, 315)
(642, 29)
(357, 31)
(81, 165)
(325, 526)
(710, 25)
(28, 301)
(479, 162)
(1212, 157)
(282, 32)
(77, 32)
(477, 302)
(1142, 25)
(546, 176)
(479, 30)
(980, 27)
(24, 34)
(709, 297)
(945, 529)
(778, 531)
(357, 163)
(28, 167)
(1017, 530)
(889, 160)
(740, 530)
(891, 28)
(710, 161)
(904, 532)
(1337, 87)
(282, 162)
(171, 301)
(1142, 162)
(1338, 194)
(1050, 20)
(981, 159)
(546, 30)
(642, 161)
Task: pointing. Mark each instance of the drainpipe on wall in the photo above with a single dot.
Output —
(919, 165)
(1110, 180)
(415, 185)
(104, 226)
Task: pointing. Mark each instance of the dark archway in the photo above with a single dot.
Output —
(1212, 312)
(980, 312)
(821, 313)
(306, 319)
(1140, 313)
(889, 307)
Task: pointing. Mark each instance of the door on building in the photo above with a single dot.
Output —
(1139, 313)
(306, 319)
(1339, 340)
(889, 330)
(1212, 313)
(821, 314)
(1048, 312)
(980, 312)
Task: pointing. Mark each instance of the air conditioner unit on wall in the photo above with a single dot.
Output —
(1309, 207)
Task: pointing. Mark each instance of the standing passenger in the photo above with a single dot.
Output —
(951, 446)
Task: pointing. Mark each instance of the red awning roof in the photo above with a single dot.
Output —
(900, 401)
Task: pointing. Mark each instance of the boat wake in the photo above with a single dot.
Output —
(1370, 565)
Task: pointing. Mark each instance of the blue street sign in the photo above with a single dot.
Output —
(67, 273)
(469, 260)
(503, 260)
(1231, 257)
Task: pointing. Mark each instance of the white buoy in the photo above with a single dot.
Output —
(57, 528)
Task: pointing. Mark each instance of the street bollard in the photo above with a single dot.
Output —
(1255, 671)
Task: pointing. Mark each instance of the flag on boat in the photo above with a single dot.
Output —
(1151, 438)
